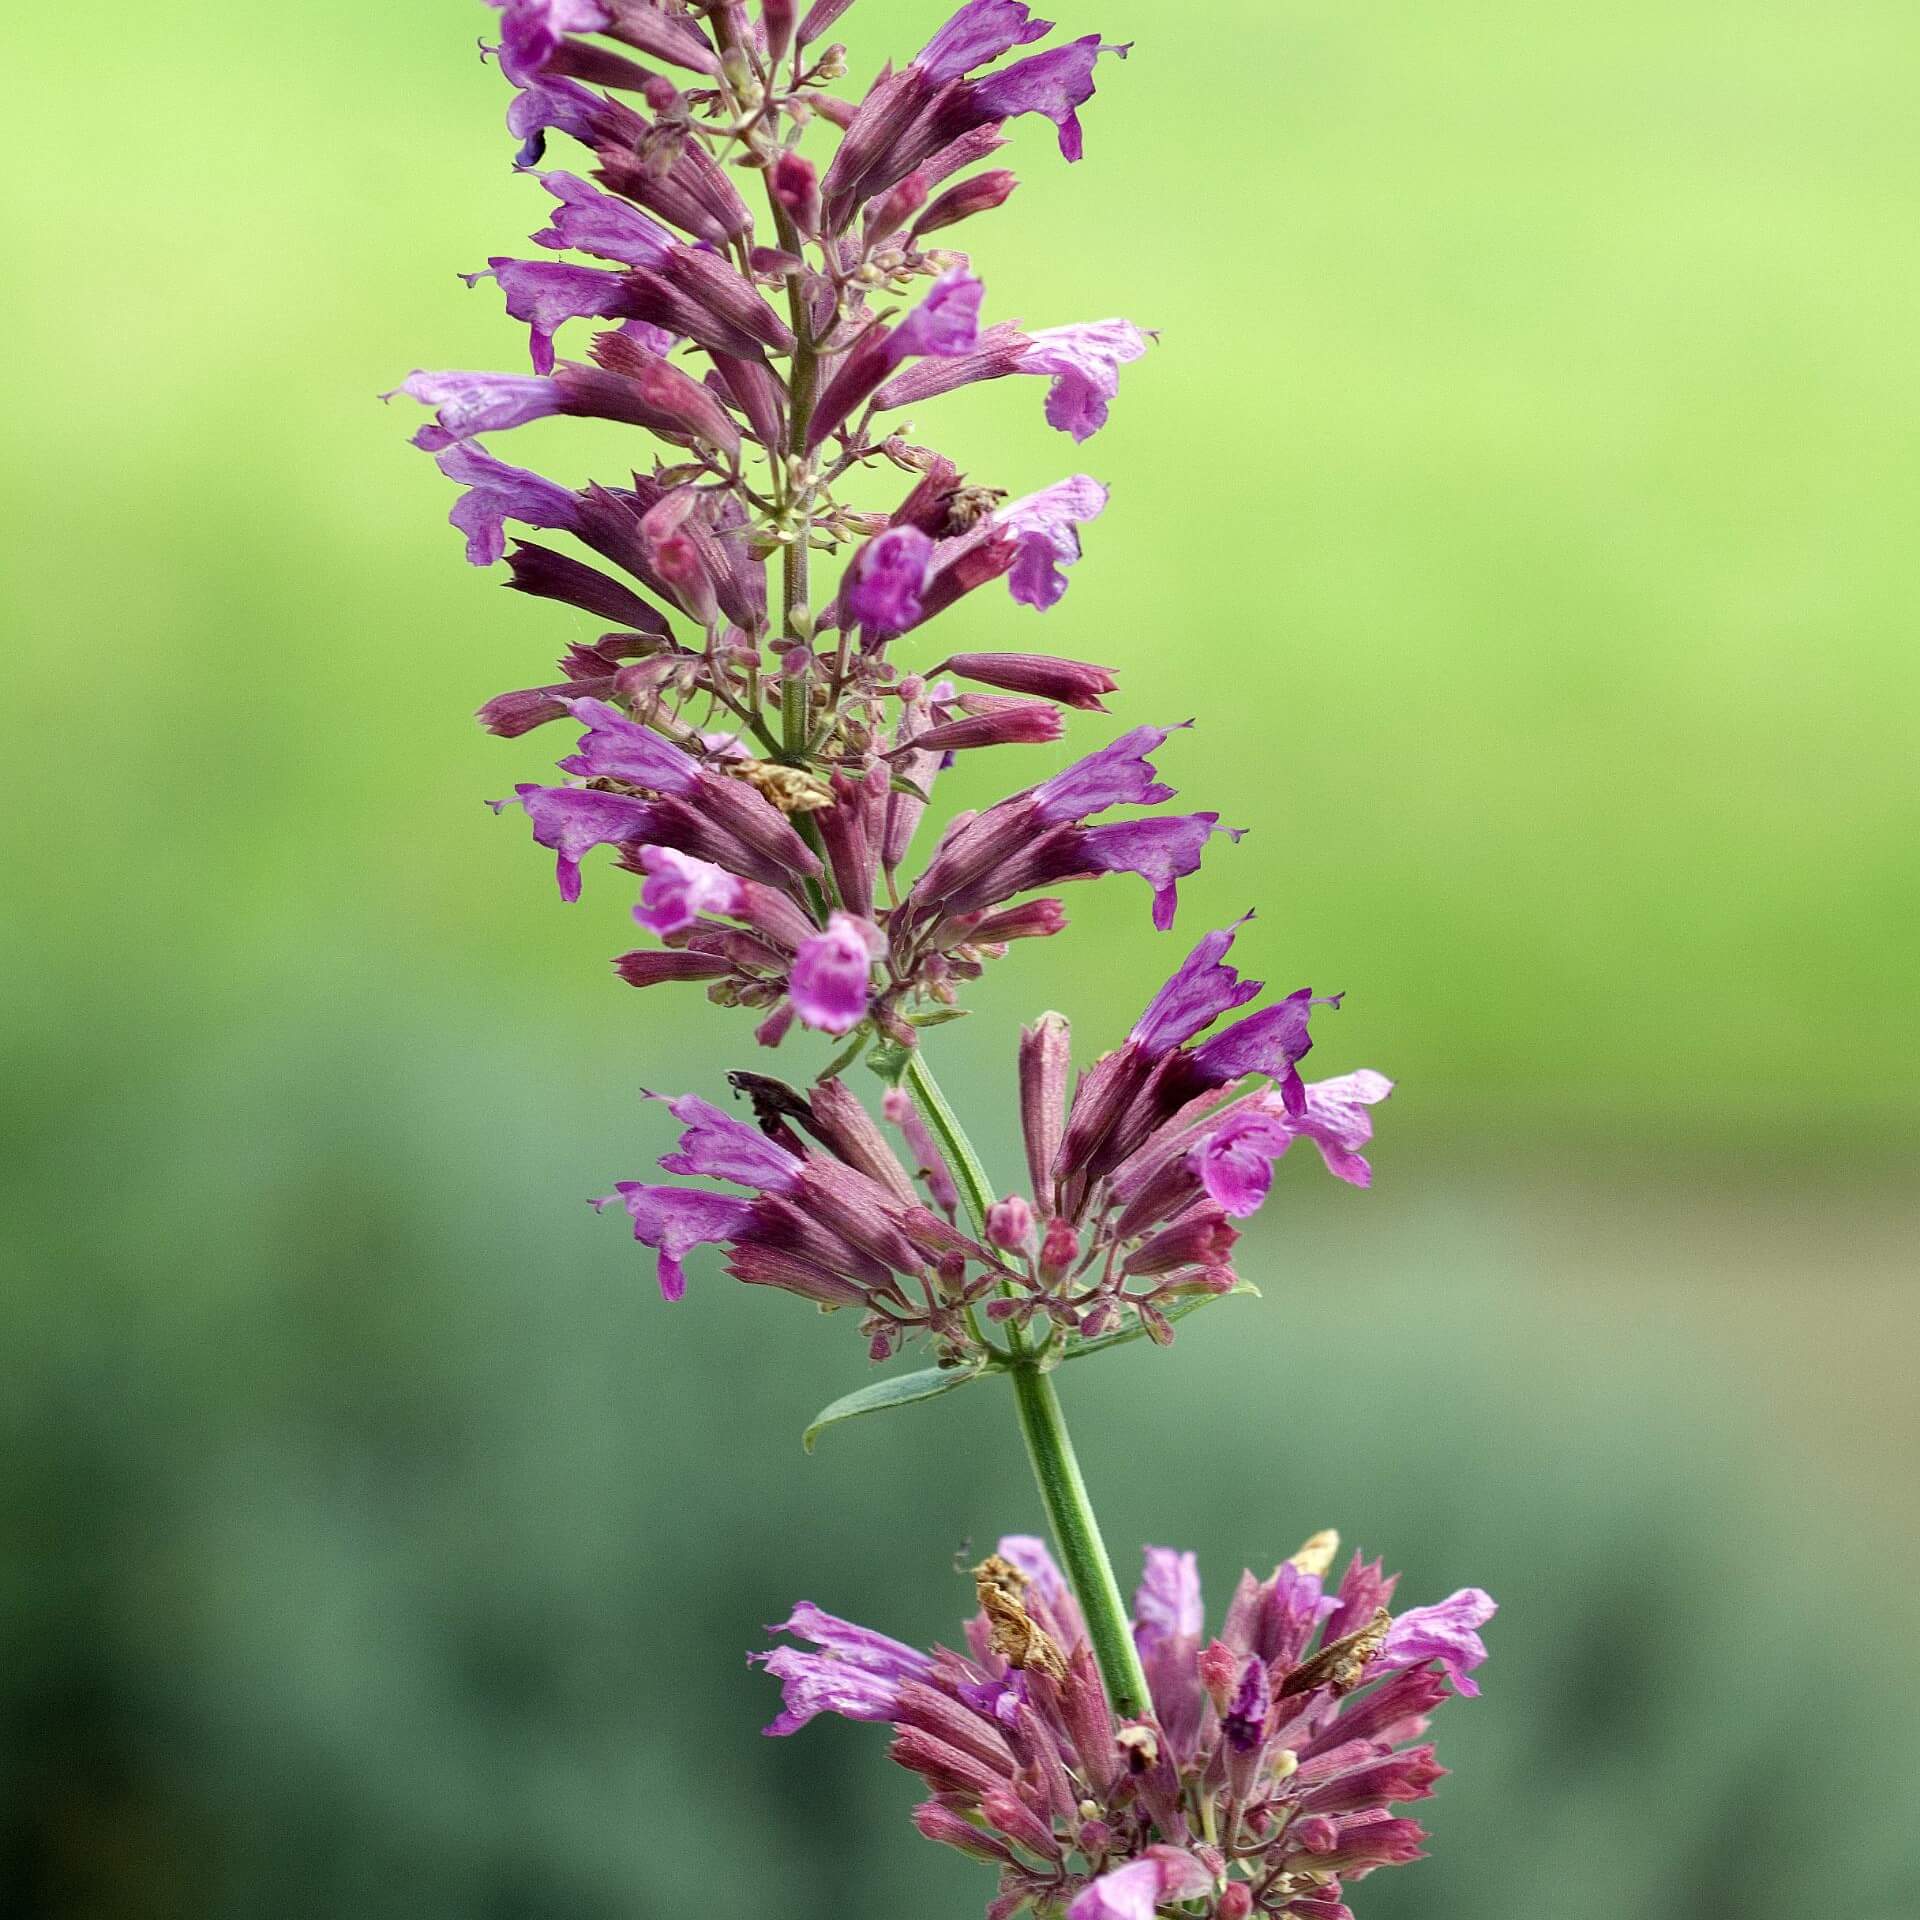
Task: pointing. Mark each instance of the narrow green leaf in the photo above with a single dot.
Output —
(898, 1390)
(937, 1016)
(846, 1057)
(1178, 1311)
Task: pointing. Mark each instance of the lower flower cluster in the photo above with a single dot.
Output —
(1262, 1780)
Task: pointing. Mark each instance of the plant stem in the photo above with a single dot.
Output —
(1077, 1534)
(1043, 1423)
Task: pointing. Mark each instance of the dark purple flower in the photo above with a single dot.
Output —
(830, 979)
(981, 31)
(1201, 990)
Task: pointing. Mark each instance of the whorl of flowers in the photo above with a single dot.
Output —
(759, 749)
(1262, 1781)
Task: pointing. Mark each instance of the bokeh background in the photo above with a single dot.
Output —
(1522, 497)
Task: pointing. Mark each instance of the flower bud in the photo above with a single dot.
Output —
(776, 17)
(1046, 1053)
(796, 186)
(1316, 1833)
(1235, 1902)
(896, 207)
(1010, 1225)
(1058, 1250)
(980, 194)
(1219, 1672)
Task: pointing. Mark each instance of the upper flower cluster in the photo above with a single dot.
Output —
(761, 756)
(1263, 1779)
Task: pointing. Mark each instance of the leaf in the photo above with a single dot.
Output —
(881, 1396)
(890, 1061)
(846, 1057)
(901, 784)
(1178, 1311)
(937, 1016)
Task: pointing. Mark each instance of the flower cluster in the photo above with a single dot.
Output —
(758, 750)
(765, 771)
(1262, 1780)
(1136, 1183)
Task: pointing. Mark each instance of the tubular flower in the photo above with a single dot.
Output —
(1263, 1778)
(833, 1217)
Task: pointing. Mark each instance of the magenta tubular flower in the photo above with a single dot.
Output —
(831, 974)
(1320, 1736)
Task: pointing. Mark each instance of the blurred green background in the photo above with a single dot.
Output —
(1522, 497)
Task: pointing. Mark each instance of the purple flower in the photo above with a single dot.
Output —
(1045, 530)
(1162, 852)
(857, 1673)
(882, 589)
(981, 31)
(1166, 1875)
(1234, 1160)
(716, 1146)
(548, 293)
(1085, 363)
(1026, 1762)
(589, 221)
(497, 493)
(466, 404)
(1055, 83)
(572, 821)
(532, 30)
(1272, 1042)
(946, 322)
(616, 748)
(1117, 775)
(675, 1220)
(1074, 683)
(1201, 990)
(1444, 1632)
(678, 890)
(830, 978)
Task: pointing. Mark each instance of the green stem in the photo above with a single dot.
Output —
(1043, 1423)
(1076, 1532)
